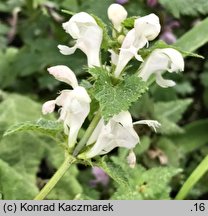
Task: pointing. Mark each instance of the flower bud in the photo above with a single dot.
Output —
(121, 39)
(131, 159)
(117, 14)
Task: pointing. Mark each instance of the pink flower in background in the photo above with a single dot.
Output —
(121, 1)
(167, 35)
(100, 177)
(151, 3)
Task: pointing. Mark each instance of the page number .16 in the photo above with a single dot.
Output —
(200, 207)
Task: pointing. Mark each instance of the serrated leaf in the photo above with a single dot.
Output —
(13, 185)
(188, 7)
(169, 113)
(194, 38)
(162, 45)
(114, 171)
(114, 98)
(147, 184)
(44, 126)
(155, 182)
(24, 152)
(16, 108)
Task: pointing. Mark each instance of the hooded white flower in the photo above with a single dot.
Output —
(117, 14)
(118, 132)
(75, 104)
(159, 61)
(88, 35)
(145, 29)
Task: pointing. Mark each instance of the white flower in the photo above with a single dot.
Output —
(148, 27)
(117, 14)
(75, 104)
(88, 35)
(159, 61)
(145, 29)
(118, 132)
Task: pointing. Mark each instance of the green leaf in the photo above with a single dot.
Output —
(6, 66)
(106, 38)
(33, 58)
(47, 127)
(114, 98)
(188, 7)
(129, 22)
(13, 185)
(138, 8)
(195, 136)
(169, 113)
(15, 109)
(95, 7)
(162, 45)
(147, 184)
(142, 183)
(114, 171)
(184, 88)
(24, 152)
(195, 38)
(71, 5)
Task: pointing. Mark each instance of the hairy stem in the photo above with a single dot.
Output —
(201, 169)
(87, 134)
(69, 160)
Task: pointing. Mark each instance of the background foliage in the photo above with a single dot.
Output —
(29, 34)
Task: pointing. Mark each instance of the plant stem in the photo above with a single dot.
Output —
(69, 160)
(87, 134)
(201, 169)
